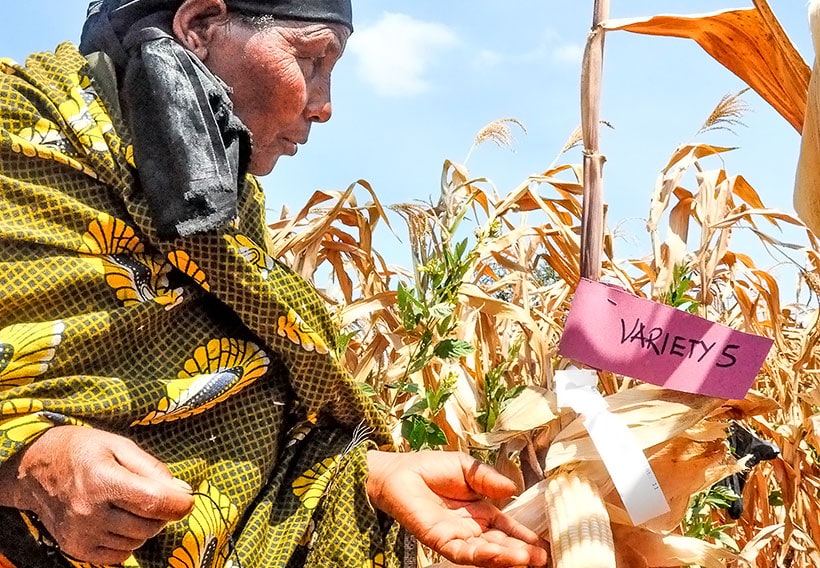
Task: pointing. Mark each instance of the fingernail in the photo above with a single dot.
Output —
(182, 485)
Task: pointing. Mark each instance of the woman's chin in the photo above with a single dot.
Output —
(262, 167)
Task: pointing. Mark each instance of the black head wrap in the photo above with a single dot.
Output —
(191, 151)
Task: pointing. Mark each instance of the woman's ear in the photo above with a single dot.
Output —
(196, 22)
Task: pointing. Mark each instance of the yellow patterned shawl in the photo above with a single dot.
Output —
(207, 352)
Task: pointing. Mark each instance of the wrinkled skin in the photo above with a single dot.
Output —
(98, 494)
(101, 497)
(441, 497)
(279, 75)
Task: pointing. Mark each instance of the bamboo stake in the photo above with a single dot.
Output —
(592, 220)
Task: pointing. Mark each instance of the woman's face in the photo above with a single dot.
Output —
(280, 78)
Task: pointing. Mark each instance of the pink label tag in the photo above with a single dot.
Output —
(610, 329)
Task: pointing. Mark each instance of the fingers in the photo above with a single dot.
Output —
(109, 497)
(481, 535)
(163, 500)
(97, 555)
(114, 530)
(439, 497)
(536, 550)
(510, 527)
(125, 524)
(486, 480)
(136, 460)
(493, 550)
(109, 539)
(145, 487)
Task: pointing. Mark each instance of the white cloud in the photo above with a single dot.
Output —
(569, 53)
(487, 58)
(395, 54)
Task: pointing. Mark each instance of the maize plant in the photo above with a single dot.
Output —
(459, 350)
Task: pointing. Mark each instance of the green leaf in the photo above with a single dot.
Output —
(409, 386)
(420, 432)
(414, 430)
(461, 247)
(436, 399)
(435, 436)
(453, 349)
(410, 309)
(368, 390)
(419, 362)
(726, 539)
(343, 340)
(441, 310)
(419, 406)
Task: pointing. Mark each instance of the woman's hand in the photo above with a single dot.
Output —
(440, 498)
(98, 494)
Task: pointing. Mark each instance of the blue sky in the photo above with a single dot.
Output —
(421, 78)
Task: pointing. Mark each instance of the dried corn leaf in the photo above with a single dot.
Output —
(762, 539)
(686, 155)
(367, 307)
(755, 404)
(769, 214)
(528, 508)
(654, 415)
(705, 463)
(813, 427)
(750, 43)
(657, 550)
(473, 297)
(533, 408)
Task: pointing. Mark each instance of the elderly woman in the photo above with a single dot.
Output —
(169, 394)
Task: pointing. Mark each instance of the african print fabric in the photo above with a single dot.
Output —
(209, 354)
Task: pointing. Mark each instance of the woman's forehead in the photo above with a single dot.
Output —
(310, 32)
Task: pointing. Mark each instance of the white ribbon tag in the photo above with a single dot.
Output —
(622, 456)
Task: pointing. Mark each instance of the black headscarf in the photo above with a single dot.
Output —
(191, 151)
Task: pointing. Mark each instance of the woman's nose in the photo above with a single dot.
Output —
(318, 107)
(321, 112)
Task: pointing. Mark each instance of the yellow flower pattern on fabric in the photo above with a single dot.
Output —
(180, 260)
(43, 133)
(108, 235)
(130, 562)
(253, 253)
(129, 155)
(26, 350)
(311, 485)
(295, 329)
(205, 544)
(86, 119)
(376, 562)
(215, 372)
(82, 112)
(44, 140)
(20, 406)
(116, 251)
(24, 429)
(95, 109)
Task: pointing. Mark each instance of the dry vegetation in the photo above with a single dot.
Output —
(459, 350)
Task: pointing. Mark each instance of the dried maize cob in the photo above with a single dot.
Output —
(579, 529)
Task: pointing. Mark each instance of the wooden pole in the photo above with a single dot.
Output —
(592, 219)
